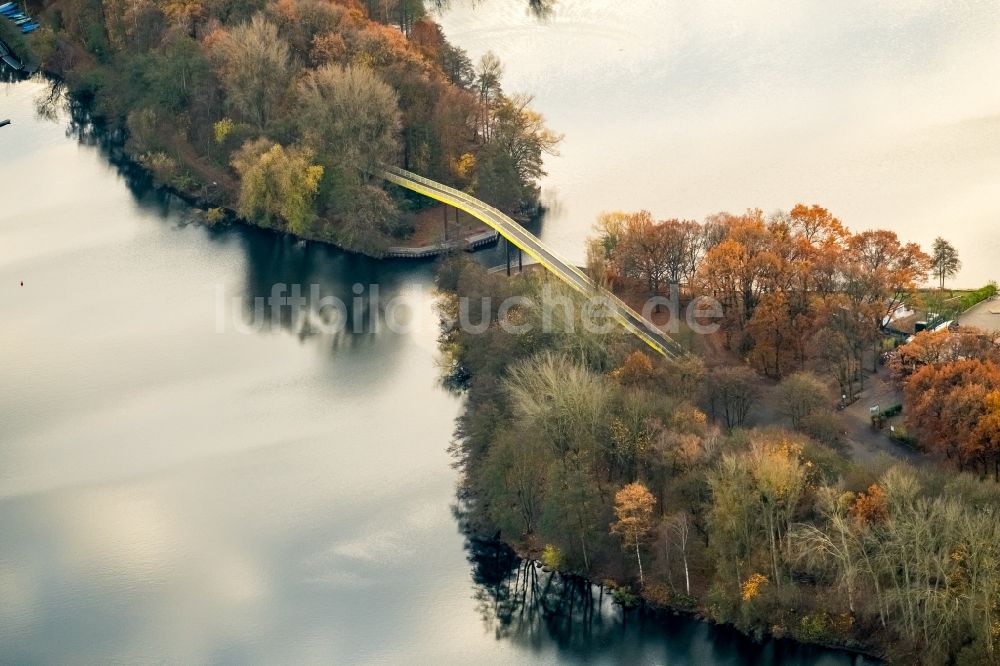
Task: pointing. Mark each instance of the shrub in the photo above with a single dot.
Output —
(721, 605)
(900, 434)
(813, 627)
(657, 594)
(685, 601)
(163, 167)
(214, 215)
(553, 558)
(625, 597)
(978, 296)
(895, 410)
(752, 586)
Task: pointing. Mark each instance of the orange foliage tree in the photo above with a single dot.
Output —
(955, 409)
(936, 348)
(634, 512)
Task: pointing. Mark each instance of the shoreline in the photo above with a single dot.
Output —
(696, 613)
(202, 204)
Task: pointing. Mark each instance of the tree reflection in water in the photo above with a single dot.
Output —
(538, 610)
(520, 600)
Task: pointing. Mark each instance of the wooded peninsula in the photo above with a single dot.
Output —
(733, 483)
(752, 482)
(281, 111)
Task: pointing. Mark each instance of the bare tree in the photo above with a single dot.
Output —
(350, 115)
(679, 526)
(255, 69)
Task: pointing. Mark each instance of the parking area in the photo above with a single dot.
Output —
(986, 316)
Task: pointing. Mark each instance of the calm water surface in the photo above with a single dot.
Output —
(174, 490)
(887, 113)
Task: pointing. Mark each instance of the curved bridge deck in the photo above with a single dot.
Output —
(531, 244)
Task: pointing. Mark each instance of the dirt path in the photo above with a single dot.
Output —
(864, 445)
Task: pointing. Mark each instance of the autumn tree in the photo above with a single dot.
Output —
(640, 252)
(774, 336)
(349, 115)
(654, 253)
(511, 161)
(815, 226)
(879, 271)
(278, 186)
(944, 260)
(940, 347)
(185, 13)
(952, 408)
(740, 268)
(634, 518)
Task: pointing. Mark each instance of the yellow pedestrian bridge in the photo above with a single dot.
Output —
(528, 242)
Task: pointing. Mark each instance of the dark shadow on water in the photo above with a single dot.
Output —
(520, 602)
(365, 286)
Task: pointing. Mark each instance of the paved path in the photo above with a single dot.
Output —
(981, 316)
(867, 445)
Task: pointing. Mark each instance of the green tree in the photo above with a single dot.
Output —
(513, 479)
(944, 260)
(800, 395)
(780, 479)
(567, 405)
(572, 506)
(350, 117)
(732, 514)
(488, 76)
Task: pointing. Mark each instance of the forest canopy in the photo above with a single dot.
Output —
(331, 89)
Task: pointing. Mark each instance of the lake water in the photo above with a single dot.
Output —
(178, 487)
(886, 113)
